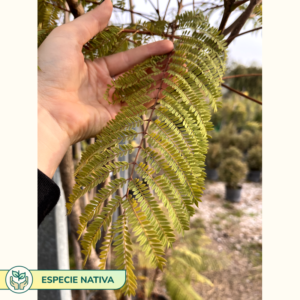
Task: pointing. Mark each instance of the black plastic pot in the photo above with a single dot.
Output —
(233, 195)
(254, 176)
(212, 174)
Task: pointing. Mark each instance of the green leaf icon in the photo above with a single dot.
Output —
(15, 274)
(22, 275)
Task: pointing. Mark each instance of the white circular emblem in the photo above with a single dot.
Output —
(19, 279)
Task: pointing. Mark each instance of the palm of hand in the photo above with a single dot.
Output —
(71, 104)
(73, 88)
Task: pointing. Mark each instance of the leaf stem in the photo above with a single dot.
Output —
(148, 121)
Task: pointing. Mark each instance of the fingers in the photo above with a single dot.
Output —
(123, 61)
(88, 25)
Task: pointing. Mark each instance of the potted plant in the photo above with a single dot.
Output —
(213, 159)
(226, 135)
(256, 139)
(252, 126)
(237, 140)
(215, 137)
(247, 137)
(254, 160)
(238, 114)
(233, 172)
(232, 152)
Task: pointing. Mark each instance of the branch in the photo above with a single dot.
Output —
(196, 3)
(241, 75)
(60, 7)
(131, 11)
(150, 33)
(131, 41)
(241, 94)
(76, 8)
(238, 3)
(124, 9)
(156, 9)
(166, 9)
(234, 6)
(213, 7)
(237, 25)
(180, 7)
(227, 11)
(230, 39)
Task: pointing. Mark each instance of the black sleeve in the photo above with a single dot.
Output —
(48, 195)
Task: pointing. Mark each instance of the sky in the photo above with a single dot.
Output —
(246, 49)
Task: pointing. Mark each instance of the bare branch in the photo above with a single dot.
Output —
(153, 5)
(131, 41)
(238, 3)
(56, 5)
(213, 7)
(180, 7)
(166, 9)
(241, 94)
(123, 9)
(196, 3)
(230, 39)
(241, 75)
(150, 33)
(131, 12)
(76, 8)
(238, 24)
(227, 11)
(155, 8)
(234, 6)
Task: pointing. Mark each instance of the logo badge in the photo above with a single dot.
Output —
(19, 279)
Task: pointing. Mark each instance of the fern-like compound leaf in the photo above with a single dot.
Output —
(123, 251)
(166, 178)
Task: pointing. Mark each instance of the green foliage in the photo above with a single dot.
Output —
(256, 139)
(226, 134)
(232, 152)
(243, 141)
(258, 11)
(233, 172)
(185, 263)
(250, 84)
(247, 139)
(238, 114)
(215, 137)
(173, 163)
(252, 126)
(214, 156)
(237, 140)
(254, 158)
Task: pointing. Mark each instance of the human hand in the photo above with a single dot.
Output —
(13, 283)
(24, 283)
(71, 104)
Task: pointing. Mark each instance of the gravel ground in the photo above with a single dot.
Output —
(235, 231)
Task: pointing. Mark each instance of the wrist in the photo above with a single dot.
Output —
(53, 142)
